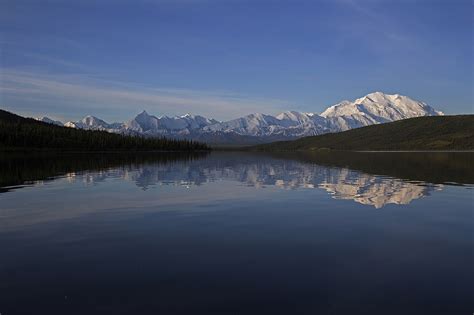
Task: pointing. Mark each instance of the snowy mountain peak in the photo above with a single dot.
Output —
(373, 108)
(294, 117)
(291, 114)
(89, 122)
(143, 115)
(50, 121)
(93, 121)
(144, 122)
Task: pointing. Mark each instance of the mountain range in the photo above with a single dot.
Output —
(374, 108)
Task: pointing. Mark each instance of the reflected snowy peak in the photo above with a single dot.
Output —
(376, 191)
(342, 183)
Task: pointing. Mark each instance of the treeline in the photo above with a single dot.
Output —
(17, 132)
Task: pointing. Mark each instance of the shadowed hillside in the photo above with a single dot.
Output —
(422, 133)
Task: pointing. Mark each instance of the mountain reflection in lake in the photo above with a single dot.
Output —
(242, 229)
(341, 183)
(257, 171)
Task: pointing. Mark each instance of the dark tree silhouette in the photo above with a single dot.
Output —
(17, 132)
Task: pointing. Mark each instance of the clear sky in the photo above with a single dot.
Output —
(226, 58)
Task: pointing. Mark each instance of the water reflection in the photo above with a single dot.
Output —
(376, 191)
(18, 168)
(236, 233)
(333, 173)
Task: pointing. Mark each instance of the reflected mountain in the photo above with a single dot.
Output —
(341, 183)
(376, 191)
(373, 179)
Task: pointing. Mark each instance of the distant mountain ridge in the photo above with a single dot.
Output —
(374, 108)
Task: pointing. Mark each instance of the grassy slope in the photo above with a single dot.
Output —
(422, 133)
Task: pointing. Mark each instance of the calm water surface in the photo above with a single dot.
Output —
(237, 233)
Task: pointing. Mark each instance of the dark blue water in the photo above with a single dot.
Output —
(237, 233)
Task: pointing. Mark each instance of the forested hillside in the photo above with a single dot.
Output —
(17, 132)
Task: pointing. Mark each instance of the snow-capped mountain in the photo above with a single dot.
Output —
(90, 123)
(374, 108)
(147, 124)
(289, 124)
(49, 121)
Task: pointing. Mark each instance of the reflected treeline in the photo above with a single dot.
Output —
(18, 168)
(374, 179)
(432, 167)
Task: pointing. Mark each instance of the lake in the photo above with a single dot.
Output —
(237, 233)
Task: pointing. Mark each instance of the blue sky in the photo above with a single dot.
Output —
(228, 58)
